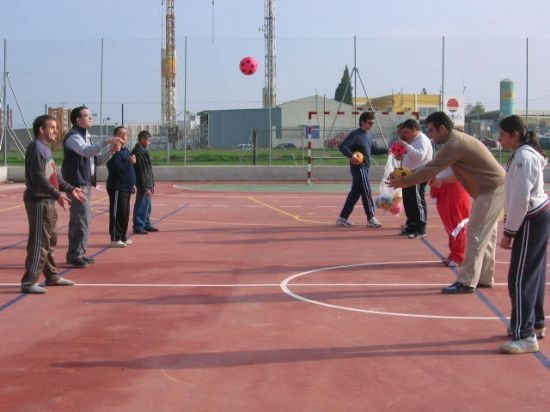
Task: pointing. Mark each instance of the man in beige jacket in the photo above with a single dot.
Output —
(483, 177)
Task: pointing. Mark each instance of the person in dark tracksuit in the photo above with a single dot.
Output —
(360, 140)
(43, 188)
(526, 228)
(120, 186)
(145, 185)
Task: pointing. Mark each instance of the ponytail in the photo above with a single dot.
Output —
(532, 139)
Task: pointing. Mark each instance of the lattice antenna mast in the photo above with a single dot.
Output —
(169, 74)
(269, 96)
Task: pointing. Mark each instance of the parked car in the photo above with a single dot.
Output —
(245, 146)
(545, 141)
(491, 144)
(286, 146)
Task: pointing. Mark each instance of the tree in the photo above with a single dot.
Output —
(477, 108)
(343, 91)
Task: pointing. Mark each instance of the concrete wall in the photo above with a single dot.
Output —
(239, 173)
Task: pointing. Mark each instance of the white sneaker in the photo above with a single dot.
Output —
(128, 242)
(452, 264)
(343, 222)
(117, 243)
(374, 223)
(527, 345)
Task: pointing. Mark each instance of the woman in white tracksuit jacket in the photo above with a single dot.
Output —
(526, 227)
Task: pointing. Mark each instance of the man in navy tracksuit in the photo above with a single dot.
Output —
(360, 140)
(120, 186)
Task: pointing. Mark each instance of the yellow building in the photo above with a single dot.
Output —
(422, 103)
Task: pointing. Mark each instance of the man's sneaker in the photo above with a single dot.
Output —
(140, 232)
(117, 243)
(417, 235)
(527, 345)
(457, 288)
(128, 242)
(34, 289)
(452, 264)
(374, 223)
(60, 282)
(539, 333)
(151, 229)
(77, 263)
(88, 259)
(343, 222)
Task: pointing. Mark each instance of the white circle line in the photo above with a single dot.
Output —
(286, 289)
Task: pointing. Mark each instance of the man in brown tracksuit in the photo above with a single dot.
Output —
(483, 178)
(42, 190)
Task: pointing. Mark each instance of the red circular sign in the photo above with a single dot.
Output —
(452, 104)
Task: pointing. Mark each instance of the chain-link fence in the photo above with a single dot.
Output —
(120, 80)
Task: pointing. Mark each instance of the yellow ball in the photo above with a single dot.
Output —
(402, 171)
(357, 158)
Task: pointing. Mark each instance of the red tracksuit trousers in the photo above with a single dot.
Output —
(453, 205)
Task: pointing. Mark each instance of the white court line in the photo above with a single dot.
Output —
(250, 285)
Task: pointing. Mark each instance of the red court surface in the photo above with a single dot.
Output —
(255, 301)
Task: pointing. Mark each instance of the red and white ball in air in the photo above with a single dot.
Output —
(248, 65)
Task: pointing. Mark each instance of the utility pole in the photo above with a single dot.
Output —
(269, 92)
(169, 75)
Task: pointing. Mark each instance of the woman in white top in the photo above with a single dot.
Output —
(526, 227)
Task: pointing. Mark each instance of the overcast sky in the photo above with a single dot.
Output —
(54, 50)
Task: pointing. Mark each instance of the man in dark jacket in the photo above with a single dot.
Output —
(120, 186)
(80, 159)
(359, 146)
(145, 185)
(43, 188)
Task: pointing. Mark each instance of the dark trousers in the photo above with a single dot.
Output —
(41, 242)
(360, 188)
(79, 225)
(414, 202)
(527, 276)
(119, 214)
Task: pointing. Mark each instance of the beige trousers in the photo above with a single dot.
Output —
(479, 262)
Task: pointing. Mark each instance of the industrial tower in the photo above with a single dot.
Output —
(269, 95)
(168, 69)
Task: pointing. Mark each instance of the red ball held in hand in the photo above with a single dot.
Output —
(397, 150)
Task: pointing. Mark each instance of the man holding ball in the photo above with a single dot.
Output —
(358, 147)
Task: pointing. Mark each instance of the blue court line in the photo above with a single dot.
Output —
(492, 307)
(21, 296)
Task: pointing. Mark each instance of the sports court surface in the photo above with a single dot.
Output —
(250, 299)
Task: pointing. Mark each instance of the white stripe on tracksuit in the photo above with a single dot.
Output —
(37, 249)
(519, 278)
(366, 188)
